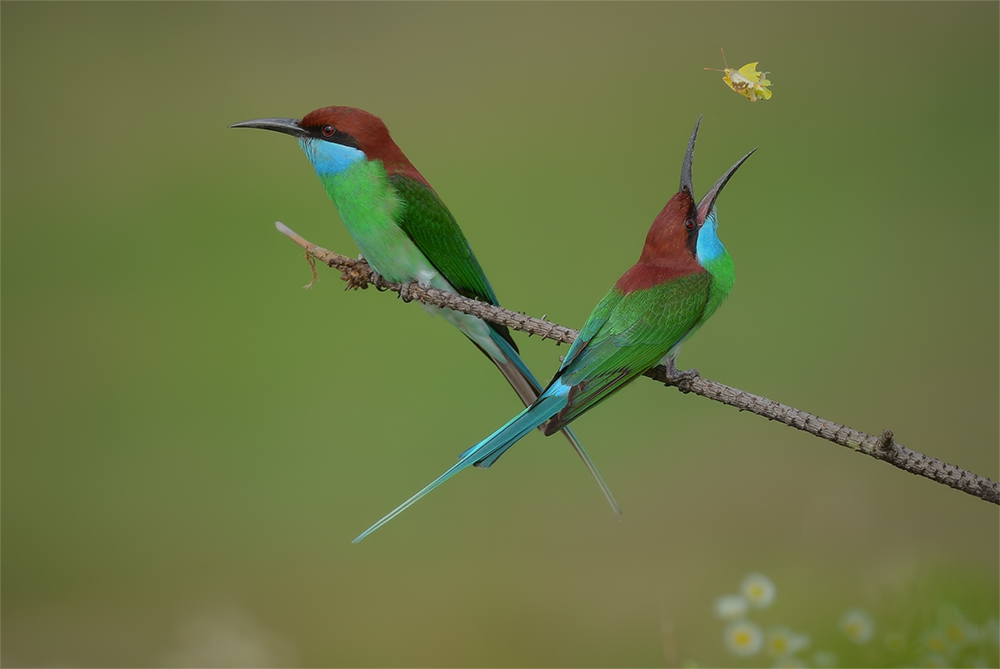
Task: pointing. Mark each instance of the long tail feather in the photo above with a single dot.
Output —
(528, 389)
(592, 468)
(487, 451)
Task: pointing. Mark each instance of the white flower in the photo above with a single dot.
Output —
(743, 638)
(731, 607)
(858, 626)
(958, 631)
(961, 633)
(758, 590)
(782, 642)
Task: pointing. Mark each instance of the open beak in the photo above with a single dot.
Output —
(708, 201)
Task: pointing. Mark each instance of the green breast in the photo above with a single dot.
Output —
(369, 206)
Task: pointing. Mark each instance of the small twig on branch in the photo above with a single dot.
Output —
(358, 274)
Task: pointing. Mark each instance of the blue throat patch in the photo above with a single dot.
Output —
(330, 158)
(709, 247)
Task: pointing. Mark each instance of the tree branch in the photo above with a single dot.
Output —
(358, 274)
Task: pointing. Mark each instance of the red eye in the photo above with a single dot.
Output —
(328, 130)
(689, 224)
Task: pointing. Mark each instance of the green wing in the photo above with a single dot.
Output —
(434, 230)
(625, 336)
(598, 317)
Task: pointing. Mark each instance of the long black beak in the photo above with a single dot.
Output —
(686, 181)
(708, 201)
(289, 126)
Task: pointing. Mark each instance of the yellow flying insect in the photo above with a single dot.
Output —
(746, 81)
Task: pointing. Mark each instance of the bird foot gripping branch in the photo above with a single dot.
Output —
(680, 378)
(358, 274)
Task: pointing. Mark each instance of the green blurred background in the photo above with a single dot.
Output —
(190, 440)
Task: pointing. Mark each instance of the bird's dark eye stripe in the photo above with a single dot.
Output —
(331, 133)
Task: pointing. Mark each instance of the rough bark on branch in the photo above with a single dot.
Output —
(358, 274)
